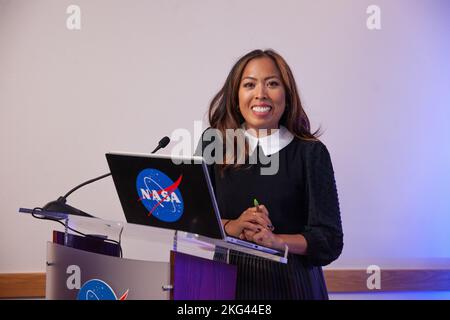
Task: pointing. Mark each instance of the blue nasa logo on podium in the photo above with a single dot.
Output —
(160, 195)
(96, 289)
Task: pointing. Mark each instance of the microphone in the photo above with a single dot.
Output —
(60, 205)
(162, 143)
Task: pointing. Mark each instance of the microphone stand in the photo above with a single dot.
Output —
(60, 204)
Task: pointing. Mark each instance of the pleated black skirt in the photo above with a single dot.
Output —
(263, 279)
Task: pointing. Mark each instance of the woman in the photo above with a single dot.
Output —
(298, 205)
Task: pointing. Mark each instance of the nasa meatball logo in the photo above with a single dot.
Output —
(97, 289)
(160, 195)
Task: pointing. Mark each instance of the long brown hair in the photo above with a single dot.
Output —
(224, 108)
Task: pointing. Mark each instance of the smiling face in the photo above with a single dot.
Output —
(261, 94)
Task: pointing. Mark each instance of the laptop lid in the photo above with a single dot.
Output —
(155, 191)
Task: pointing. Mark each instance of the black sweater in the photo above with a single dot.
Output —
(301, 197)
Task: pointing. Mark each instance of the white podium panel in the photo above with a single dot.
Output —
(78, 274)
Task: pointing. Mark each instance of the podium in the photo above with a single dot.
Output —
(90, 267)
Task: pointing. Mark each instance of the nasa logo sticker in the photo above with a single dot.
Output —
(160, 195)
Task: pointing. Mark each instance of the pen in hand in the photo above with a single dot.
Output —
(256, 203)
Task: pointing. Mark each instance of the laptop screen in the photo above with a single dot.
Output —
(155, 191)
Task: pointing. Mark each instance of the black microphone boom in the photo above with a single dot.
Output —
(60, 205)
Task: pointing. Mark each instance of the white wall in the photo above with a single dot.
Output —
(137, 70)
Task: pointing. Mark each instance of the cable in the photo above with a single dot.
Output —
(33, 213)
(85, 183)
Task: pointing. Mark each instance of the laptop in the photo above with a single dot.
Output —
(172, 193)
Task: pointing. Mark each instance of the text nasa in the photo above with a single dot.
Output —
(153, 195)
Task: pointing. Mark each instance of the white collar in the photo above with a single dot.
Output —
(272, 143)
